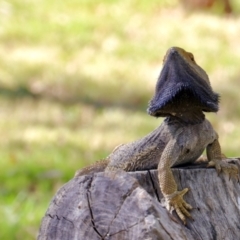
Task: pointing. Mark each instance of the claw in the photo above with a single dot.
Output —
(175, 201)
(181, 215)
(211, 164)
(216, 165)
(225, 167)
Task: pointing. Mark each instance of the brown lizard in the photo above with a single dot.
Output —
(183, 92)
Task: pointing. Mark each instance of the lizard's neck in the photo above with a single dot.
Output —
(191, 117)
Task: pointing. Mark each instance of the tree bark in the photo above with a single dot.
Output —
(120, 205)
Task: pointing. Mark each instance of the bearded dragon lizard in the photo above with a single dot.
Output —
(183, 92)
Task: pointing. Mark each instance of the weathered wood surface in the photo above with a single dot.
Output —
(120, 205)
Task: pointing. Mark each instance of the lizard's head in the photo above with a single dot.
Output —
(182, 87)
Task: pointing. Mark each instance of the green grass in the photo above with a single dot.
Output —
(75, 80)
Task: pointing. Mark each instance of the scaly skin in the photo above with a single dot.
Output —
(183, 92)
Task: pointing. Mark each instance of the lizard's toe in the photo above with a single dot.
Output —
(187, 206)
(215, 164)
(183, 212)
(233, 172)
(226, 167)
(181, 207)
(181, 215)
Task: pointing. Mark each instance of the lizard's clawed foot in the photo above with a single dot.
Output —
(175, 202)
(225, 167)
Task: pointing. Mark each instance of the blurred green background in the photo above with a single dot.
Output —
(75, 80)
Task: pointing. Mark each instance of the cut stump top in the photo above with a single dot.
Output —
(120, 205)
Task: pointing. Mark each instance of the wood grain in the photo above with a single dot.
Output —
(120, 205)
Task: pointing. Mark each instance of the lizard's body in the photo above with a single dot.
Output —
(145, 153)
(183, 92)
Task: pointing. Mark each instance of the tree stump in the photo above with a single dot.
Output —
(120, 205)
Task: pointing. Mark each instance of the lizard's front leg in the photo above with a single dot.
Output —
(215, 156)
(173, 198)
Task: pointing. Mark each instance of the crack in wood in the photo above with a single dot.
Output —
(59, 218)
(154, 188)
(127, 228)
(50, 215)
(66, 219)
(88, 193)
(117, 212)
(55, 202)
(213, 231)
(166, 230)
(195, 230)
